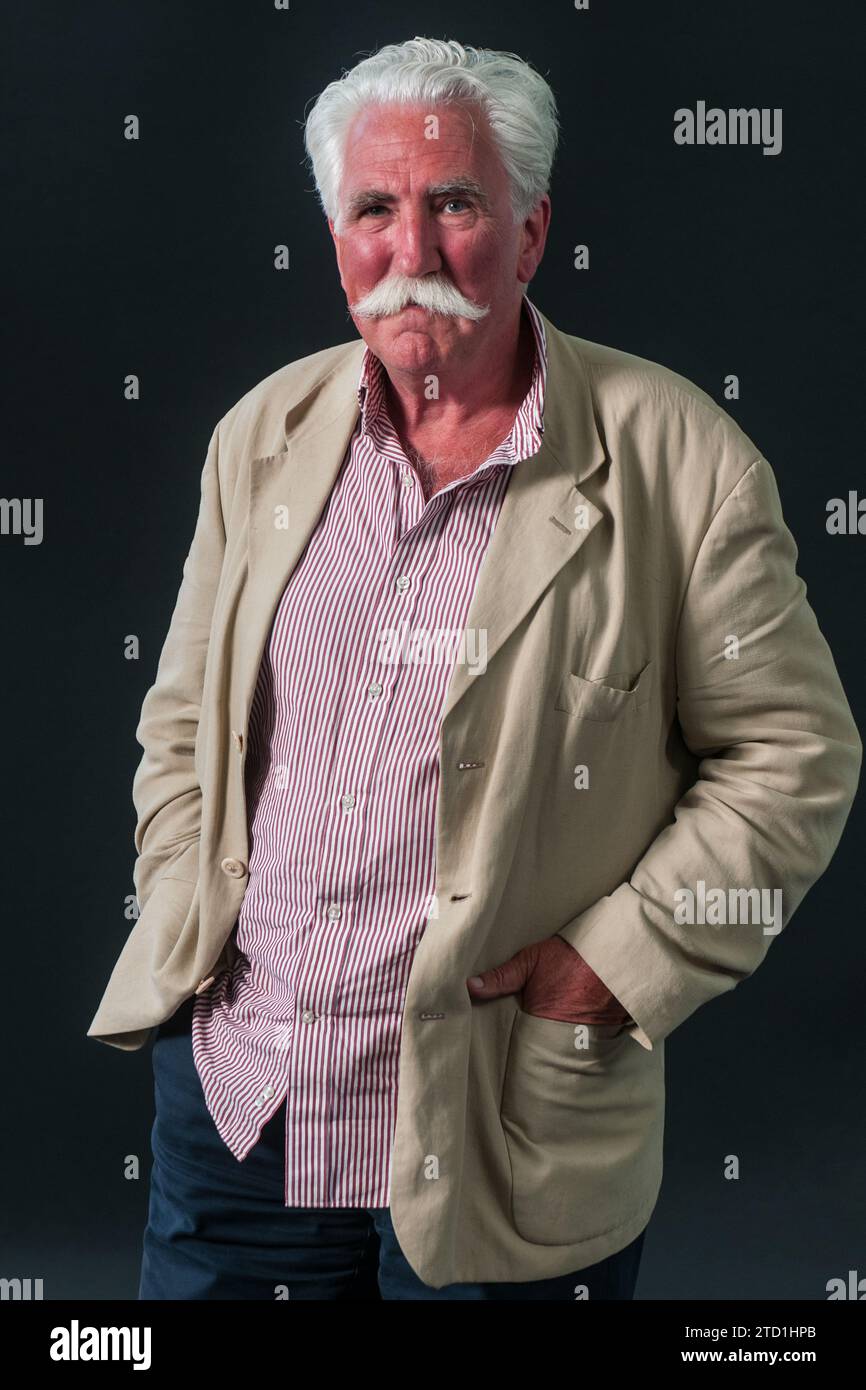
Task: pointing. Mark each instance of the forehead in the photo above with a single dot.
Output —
(394, 141)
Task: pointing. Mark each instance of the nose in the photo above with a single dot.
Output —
(415, 251)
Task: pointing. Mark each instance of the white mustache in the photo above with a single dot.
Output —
(432, 292)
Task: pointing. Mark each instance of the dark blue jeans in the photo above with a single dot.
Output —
(218, 1228)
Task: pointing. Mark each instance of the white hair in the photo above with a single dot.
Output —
(516, 100)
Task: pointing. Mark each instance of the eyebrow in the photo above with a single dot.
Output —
(463, 184)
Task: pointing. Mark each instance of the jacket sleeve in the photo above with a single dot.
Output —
(779, 762)
(166, 791)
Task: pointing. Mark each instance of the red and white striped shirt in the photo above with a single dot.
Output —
(342, 780)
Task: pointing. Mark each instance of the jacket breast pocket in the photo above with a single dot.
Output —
(604, 697)
(583, 1128)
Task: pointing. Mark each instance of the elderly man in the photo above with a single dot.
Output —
(492, 736)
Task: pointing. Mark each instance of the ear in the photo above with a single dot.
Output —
(533, 240)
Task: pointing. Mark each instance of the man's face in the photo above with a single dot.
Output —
(432, 218)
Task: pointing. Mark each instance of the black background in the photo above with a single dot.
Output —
(155, 257)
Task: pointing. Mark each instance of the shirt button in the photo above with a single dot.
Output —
(402, 583)
(408, 480)
(268, 1092)
(347, 801)
(335, 911)
(233, 867)
(375, 689)
(309, 1016)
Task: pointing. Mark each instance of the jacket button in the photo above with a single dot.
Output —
(233, 867)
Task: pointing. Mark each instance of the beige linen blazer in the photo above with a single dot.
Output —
(659, 711)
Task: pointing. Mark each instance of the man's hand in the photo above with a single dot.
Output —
(556, 983)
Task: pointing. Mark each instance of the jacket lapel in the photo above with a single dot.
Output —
(544, 520)
(288, 492)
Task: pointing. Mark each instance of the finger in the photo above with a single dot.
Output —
(503, 979)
